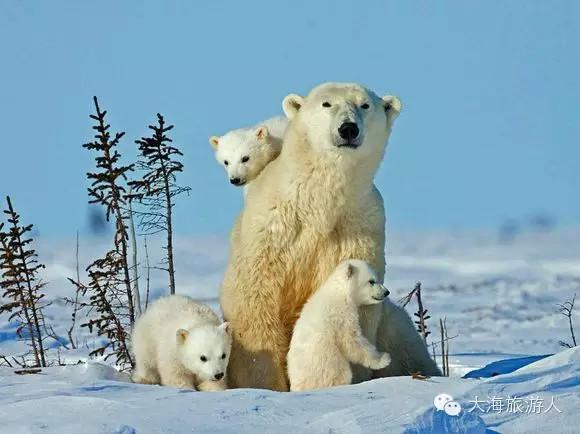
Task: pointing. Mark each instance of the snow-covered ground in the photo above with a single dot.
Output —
(95, 399)
(500, 298)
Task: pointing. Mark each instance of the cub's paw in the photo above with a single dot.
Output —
(212, 386)
(382, 362)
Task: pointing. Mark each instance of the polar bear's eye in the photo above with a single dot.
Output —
(223, 355)
(326, 104)
(226, 162)
(245, 159)
(372, 282)
(365, 106)
(203, 359)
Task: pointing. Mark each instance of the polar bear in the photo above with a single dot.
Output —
(178, 342)
(309, 209)
(398, 337)
(246, 151)
(327, 336)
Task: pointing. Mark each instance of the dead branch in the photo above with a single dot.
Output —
(421, 314)
(75, 303)
(445, 346)
(27, 371)
(148, 268)
(3, 357)
(134, 265)
(567, 309)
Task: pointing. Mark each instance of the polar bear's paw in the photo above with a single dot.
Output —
(382, 361)
(145, 377)
(212, 386)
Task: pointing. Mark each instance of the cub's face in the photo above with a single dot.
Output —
(346, 119)
(205, 351)
(365, 287)
(243, 153)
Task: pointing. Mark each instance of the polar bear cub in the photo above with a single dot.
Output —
(246, 151)
(328, 336)
(178, 342)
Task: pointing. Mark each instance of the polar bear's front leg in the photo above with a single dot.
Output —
(250, 300)
(173, 376)
(258, 353)
(145, 375)
(357, 349)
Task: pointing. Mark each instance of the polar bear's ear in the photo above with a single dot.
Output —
(392, 106)
(226, 327)
(181, 336)
(291, 104)
(262, 133)
(350, 271)
(214, 141)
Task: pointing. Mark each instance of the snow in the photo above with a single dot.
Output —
(94, 398)
(500, 298)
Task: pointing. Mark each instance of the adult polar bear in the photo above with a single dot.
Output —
(308, 210)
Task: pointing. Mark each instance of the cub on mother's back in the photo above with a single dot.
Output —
(244, 152)
(328, 337)
(178, 342)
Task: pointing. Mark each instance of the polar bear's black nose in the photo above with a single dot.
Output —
(219, 376)
(235, 181)
(348, 131)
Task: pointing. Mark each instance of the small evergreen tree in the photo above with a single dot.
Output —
(107, 309)
(108, 189)
(157, 188)
(21, 285)
(110, 306)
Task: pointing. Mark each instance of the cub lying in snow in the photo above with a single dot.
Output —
(327, 336)
(246, 151)
(178, 342)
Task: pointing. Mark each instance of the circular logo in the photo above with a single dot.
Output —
(442, 399)
(452, 408)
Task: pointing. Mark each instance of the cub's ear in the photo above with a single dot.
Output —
(350, 271)
(262, 133)
(225, 326)
(291, 104)
(214, 141)
(181, 336)
(392, 106)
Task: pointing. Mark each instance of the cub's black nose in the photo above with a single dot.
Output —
(348, 131)
(235, 181)
(219, 376)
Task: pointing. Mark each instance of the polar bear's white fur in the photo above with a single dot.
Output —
(398, 337)
(327, 336)
(309, 209)
(246, 151)
(178, 342)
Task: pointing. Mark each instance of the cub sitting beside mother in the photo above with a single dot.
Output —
(178, 342)
(327, 336)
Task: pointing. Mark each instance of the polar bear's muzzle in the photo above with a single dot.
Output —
(381, 293)
(350, 134)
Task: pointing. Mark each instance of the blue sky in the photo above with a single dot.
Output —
(491, 95)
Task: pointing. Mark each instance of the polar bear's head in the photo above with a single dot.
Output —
(243, 153)
(205, 350)
(362, 282)
(344, 119)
